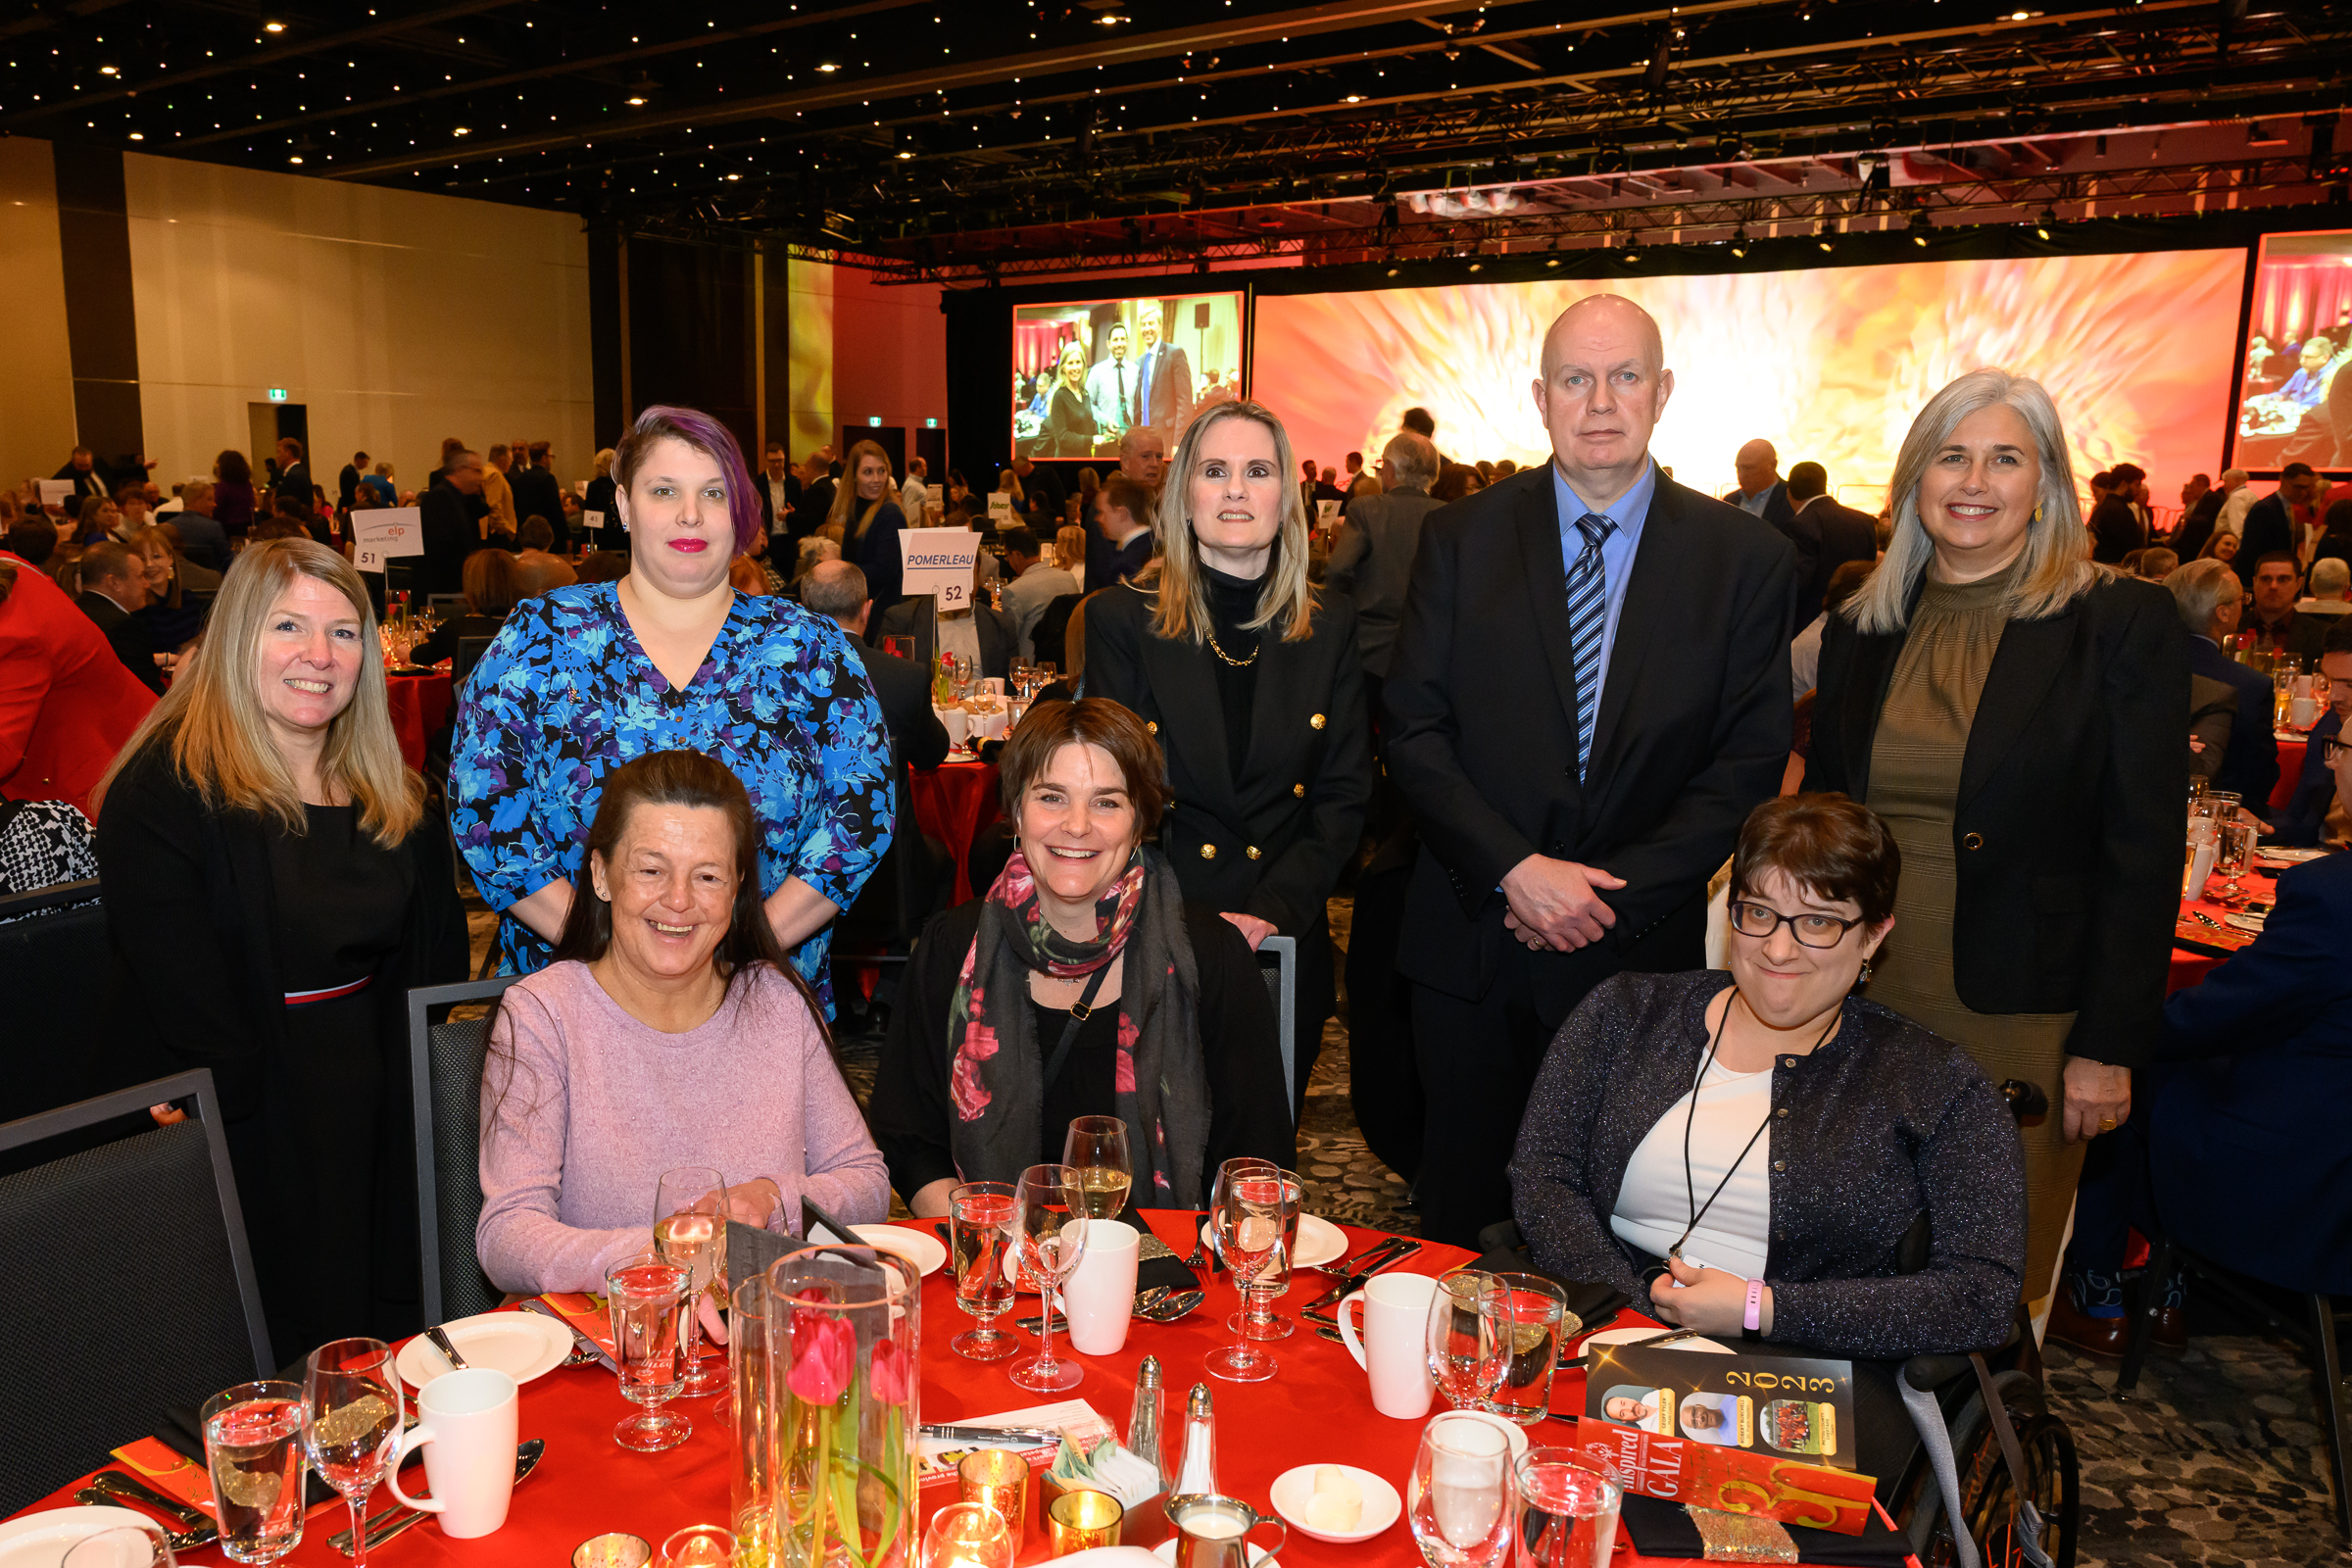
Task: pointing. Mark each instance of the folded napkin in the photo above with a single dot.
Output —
(1158, 1264)
(1662, 1528)
(1594, 1304)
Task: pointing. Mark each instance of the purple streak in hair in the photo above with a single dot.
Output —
(708, 437)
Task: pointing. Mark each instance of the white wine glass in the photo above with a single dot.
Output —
(351, 1418)
(690, 1230)
(1461, 1495)
(1049, 1228)
(1096, 1148)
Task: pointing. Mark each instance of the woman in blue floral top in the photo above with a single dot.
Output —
(583, 679)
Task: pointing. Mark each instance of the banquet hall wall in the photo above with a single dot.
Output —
(36, 396)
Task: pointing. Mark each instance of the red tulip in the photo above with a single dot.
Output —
(823, 1348)
(892, 1379)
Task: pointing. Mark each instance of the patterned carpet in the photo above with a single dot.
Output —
(2218, 1457)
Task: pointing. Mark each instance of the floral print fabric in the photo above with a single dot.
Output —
(566, 695)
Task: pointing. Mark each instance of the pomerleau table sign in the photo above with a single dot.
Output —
(939, 561)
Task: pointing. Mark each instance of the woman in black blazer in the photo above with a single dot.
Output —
(2014, 713)
(1255, 687)
(1069, 427)
(261, 821)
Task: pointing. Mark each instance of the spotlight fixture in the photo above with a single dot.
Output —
(1921, 227)
(1475, 266)
(296, 159)
(1827, 237)
(636, 103)
(2046, 223)
(460, 130)
(109, 71)
(138, 135)
(1740, 241)
(273, 26)
(1552, 261)
(828, 68)
(1631, 256)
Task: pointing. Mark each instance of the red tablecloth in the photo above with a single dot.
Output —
(420, 705)
(1317, 1408)
(2190, 967)
(953, 801)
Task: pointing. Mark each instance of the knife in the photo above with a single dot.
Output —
(392, 1521)
(448, 1351)
(586, 1346)
(1654, 1342)
(1395, 1251)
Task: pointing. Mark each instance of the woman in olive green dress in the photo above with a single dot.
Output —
(2014, 712)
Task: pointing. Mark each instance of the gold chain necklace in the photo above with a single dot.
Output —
(1238, 664)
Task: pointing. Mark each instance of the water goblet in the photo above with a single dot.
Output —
(690, 1230)
(646, 1293)
(1049, 1228)
(1460, 1493)
(351, 1423)
(1257, 1319)
(979, 1230)
(1247, 1223)
(253, 1451)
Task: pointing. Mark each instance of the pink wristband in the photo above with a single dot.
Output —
(1751, 1319)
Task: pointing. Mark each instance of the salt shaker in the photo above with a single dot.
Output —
(1196, 1473)
(1143, 1421)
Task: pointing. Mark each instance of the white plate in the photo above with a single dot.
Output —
(1320, 1242)
(521, 1345)
(1628, 1336)
(1295, 1488)
(1512, 1430)
(2290, 857)
(920, 1248)
(42, 1540)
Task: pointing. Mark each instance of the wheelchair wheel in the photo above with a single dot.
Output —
(1987, 1498)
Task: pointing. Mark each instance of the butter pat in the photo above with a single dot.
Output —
(1338, 1505)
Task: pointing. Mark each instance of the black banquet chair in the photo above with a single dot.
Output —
(133, 1288)
(445, 1081)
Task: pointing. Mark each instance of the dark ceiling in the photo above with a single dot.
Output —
(978, 139)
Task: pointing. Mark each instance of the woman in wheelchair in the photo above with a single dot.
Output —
(1749, 1159)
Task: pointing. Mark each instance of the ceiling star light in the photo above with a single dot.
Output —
(279, 27)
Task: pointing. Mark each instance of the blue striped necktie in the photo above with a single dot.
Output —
(1587, 614)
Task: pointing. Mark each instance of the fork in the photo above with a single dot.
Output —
(1200, 1258)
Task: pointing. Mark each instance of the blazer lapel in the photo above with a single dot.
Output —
(1861, 702)
(1538, 521)
(2029, 656)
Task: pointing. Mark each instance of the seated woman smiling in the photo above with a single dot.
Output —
(671, 1030)
(1081, 985)
(1750, 1159)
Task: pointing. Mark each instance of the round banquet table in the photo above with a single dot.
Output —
(419, 706)
(2291, 746)
(1317, 1408)
(953, 801)
(2190, 965)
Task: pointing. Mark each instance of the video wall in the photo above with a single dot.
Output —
(1086, 371)
(2297, 333)
(1829, 364)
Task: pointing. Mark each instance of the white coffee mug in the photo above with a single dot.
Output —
(992, 684)
(957, 722)
(1393, 1349)
(468, 1420)
(1099, 1297)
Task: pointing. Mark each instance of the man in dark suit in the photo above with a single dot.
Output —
(2271, 522)
(837, 591)
(1827, 535)
(1588, 694)
(1372, 557)
(1762, 492)
(2196, 523)
(2303, 824)
(2211, 601)
(776, 490)
(445, 516)
(294, 479)
(1119, 542)
(991, 632)
(1165, 394)
(347, 483)
(2116, 528)
(88, 476)
(539, 494)
(113, 584)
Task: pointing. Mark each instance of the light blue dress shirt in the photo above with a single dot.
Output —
(1628, 512)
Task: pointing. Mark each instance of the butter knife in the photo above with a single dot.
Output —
(448, 1351)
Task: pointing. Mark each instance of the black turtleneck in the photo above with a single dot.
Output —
(1232, 603)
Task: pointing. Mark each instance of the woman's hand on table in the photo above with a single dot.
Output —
(2098, 1099)
(1707, 1300)
(1253, 930)
(755, 1203)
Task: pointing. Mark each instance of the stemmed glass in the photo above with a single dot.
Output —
(1462, 1498)
(2234, 858)
(1466, 1361)
(967, 1535)
(253, 1451)
(351, 1423)
(1049, 1227)
(1247, 1222)
(124, 1546)
(980, 1230)
(690, 1230)
(1096, 1150)
(645, 1294)
(1257, 1319)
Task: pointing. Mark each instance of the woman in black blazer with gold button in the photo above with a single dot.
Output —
(1255, 687)
(2014, 713)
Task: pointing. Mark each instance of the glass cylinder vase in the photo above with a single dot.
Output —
(842, 1334)
(749, 1497)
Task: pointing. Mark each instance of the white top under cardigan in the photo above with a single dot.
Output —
(1655, 1201)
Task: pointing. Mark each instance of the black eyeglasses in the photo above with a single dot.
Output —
(1761, 920)
(2329, 745)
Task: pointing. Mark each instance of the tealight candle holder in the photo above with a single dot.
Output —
(617, 1549)
(999, 1478)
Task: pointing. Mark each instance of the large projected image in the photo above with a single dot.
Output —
(1829, 364)
(2299, 331)
(1086, 372)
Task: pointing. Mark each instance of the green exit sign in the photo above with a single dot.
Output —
(278, 394)
(930, 424)
(874, 420)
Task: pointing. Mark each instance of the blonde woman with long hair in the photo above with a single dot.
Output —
(865, 506)
(263, 817)
(1253, 684)
(2014, 713)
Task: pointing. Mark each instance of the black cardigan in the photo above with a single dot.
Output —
(1269, 837)
(190, 913)
(1884, 1125)
(1249, 1112)
(2067, 826)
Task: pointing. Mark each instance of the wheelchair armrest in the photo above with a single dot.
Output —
(2027, 1101)
(1928, 1373)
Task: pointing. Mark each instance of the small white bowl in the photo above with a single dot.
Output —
(1295, 1488)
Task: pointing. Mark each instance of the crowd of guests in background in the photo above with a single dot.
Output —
(1528, 715)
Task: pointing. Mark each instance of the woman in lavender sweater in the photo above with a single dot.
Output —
(671, 1030)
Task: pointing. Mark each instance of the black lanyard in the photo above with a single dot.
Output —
(1700, 1210)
